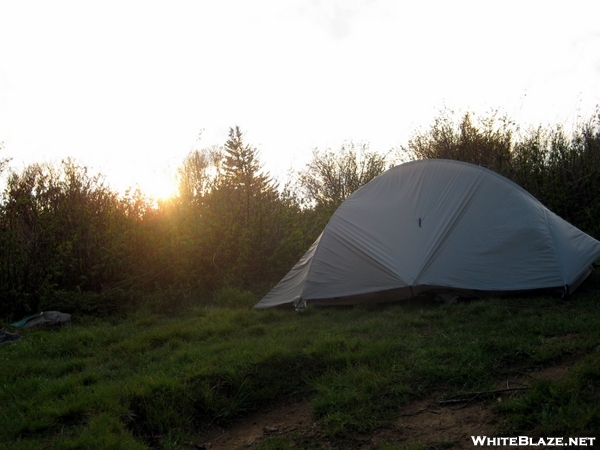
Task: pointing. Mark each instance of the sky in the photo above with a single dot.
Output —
(129, 87)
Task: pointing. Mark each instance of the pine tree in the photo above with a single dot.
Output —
(238, 209)
(242, 174)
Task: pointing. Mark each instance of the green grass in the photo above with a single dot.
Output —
(155, 381)
(565, 407)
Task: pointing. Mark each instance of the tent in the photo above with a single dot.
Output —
(438, 227)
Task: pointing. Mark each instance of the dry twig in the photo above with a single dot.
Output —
(473, 395)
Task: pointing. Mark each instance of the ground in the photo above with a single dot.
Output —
(430, 422)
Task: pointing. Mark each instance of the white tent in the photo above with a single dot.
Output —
(437, 226)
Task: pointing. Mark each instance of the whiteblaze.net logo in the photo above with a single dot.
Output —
(485, 441)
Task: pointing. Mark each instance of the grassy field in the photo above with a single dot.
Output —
(161, 381)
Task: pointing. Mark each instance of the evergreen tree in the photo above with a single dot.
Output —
(242, 174)
(239, 212)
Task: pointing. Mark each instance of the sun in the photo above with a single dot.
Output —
(159, 186)
(155, 185)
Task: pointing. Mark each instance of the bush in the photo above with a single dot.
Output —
(561, 170)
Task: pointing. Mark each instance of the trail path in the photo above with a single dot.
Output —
(425, 422)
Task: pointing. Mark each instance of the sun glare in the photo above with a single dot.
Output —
(160, 187)
(154, 185)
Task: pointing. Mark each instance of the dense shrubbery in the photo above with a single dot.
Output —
(69, 242)
(560, 169)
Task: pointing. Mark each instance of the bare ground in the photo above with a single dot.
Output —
(427, 422)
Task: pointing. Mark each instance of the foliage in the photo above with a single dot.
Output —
(329, 178)
(60, 229)
(4, 161)
(245, 206)
(69, 242)
(198, 172)
(487, 143)
(332, 176)
(236, 229)
(562, 170)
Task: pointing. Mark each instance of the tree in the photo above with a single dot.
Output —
(560, 169)
(332, 176)
(61, 230)
(229, 217)
(4, 161)
(487, 142)
(198, 173)
(242, 173)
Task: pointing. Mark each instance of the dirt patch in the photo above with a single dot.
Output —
(430, 422)
(279, 420)
(524, 377)
(423, 422)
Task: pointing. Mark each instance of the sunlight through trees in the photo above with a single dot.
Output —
(69, 242)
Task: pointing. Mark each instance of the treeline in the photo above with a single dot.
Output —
(562, 170)
(69, 242)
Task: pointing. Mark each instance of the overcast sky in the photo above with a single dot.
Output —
(126, 87)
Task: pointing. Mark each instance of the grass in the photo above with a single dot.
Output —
(153, 381)
(566, 407)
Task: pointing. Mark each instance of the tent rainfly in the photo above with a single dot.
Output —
(437, 227)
